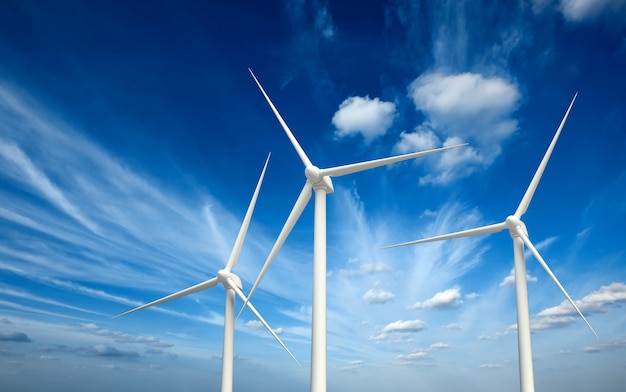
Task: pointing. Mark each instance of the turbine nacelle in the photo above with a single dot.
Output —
(513, 223)
(228, 279)
(317, 180)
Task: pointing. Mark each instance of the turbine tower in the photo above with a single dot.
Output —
(318, 180)
(232, 285)
(519, 234)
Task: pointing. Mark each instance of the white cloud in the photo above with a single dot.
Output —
(40, 181)
(438, 346)
(605, 347)
(254, 324)
(370, 118)
(590, 10)
(466, 107)
(422, 139)
(447, 299)
(412, 358)
(509, 280)
(405, 326)
(373, 296)
(551, 322)
(598, 301)
(448, 98)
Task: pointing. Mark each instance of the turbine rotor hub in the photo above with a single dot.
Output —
(512, 223)
(314, 177)
(226, 277)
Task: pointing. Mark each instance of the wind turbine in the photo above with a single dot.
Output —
(232, 285)
(318, 180)
(519, 234)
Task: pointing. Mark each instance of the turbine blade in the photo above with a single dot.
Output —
(282, 122)
(296, 211)
(207, 284)
(258, 316)
(234, 255)
(495, 228)
(545, 266)
(361, 166)
(523, 206)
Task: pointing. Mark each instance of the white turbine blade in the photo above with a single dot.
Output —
(258, 315)
(292, 138)
(545, 266)
(523, 205)
(296, 211)
(207, 284)
(495, 228)
(234, 255)
(361, 166)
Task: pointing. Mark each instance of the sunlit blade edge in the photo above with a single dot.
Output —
(525, 202)
(234, 255)
(261, 319)
(545, 266)
(495, 228)
(294, 215)
(207, 284)
(361, 166)
(292, 138)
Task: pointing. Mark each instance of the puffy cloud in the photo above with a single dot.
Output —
(412, 358)
(509, 280)
(422, 139)
(597, 301)
(373, 296)
(466, 107)
(368, 117)
(405, 326)
(447, 299)
(400, 329)
(446, 99)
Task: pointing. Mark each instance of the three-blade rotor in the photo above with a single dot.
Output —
(319, 177)
(514, 224)
(228, 279)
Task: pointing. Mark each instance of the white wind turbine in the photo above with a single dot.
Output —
(519, 234)
(318, 180)
(232, 285)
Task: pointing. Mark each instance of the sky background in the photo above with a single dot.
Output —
(132, 136)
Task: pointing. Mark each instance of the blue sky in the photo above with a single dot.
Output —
(132, 136)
